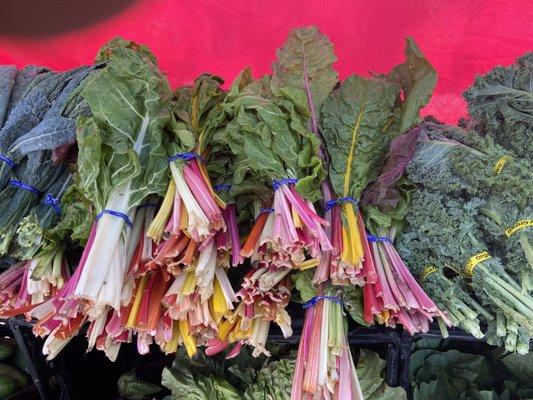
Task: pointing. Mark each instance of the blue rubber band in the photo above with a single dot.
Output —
(146, 205)
(186, 156)
(115, 214)
(285, 181)
(372, 238)
(266, 210)
(8, 161)
(339, 201)
(222, 187)
(316, 299)
(24, 186)
(53, 202)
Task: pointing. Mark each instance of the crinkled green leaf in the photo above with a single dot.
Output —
(501, 103)
(270, 141)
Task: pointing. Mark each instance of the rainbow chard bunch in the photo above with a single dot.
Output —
(386, 202)
(272, 146)
(305, 65)
(275, 155)
(121, 160)
(324, 366)
(358, 121)
(195, 231)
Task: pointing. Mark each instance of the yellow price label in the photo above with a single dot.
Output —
(427, 272)
(475, 260)
(500, 164)
(518, 226)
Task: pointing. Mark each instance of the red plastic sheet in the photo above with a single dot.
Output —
(460, 38)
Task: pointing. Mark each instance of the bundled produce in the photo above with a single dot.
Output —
(324, 367)
(359, 120)
(458, 191)
(272, 147)
(297, 179)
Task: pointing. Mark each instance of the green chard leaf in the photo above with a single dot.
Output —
(361, 117)
(121, 144)
(269, 139)
(305, 64)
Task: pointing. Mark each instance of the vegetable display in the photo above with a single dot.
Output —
(189, 219)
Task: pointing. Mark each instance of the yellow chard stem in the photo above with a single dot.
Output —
(188, 340)
(189, 285)
(218, 302)
(136, 303)
(156, 228)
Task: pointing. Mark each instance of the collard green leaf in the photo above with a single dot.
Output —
(370, 371)
(122, 142)
(305, 63)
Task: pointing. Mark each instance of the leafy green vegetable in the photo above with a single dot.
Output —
(269, 138)
(132, 388)
(362, 116)
(305, 64)
(122, 143)
(501, 103)
(243, 377)
(370, 370)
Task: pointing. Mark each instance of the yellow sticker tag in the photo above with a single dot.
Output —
(499, 164)
(475, 260)
(518, 226)
(427, 272)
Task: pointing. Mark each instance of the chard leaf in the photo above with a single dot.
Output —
(384, 193)
(270, 140)
(355, 122)
(305, 64)
(121, 143)
(362, 116)
(417, 79)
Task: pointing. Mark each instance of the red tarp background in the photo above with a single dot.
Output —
(460, 38)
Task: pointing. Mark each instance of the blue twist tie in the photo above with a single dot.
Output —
(339, 201)
(316, 299)
(8, 161)
(187, 156)
(285, 181)
(222, 187)
(146, 205)
(373, 238)
(24, 186)
(53, 202)
(265, 210)
(115, 214)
